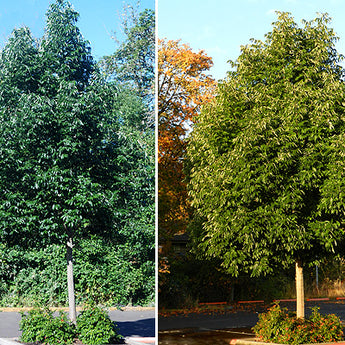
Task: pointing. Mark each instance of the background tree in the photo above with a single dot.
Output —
(183, 86)
(134, 60)
(130, 74)
(267, 155)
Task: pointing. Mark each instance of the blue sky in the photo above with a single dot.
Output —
(220, 27)
(97, 21)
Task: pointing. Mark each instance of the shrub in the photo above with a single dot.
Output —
(108, 273)
(40, 325)
(95, 327)
(279, 326)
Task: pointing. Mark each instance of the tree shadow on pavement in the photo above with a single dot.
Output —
(139, 328)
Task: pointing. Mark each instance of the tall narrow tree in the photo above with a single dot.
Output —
(53, 152)
(268, 154)
(66, 54)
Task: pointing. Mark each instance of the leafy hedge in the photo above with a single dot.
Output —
(104, 272)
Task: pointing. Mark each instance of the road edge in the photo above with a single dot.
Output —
(23, 309)
(128, 340)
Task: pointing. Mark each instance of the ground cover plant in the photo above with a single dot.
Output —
(280, 326)
(93, 327)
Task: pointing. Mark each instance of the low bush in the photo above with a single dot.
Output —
(93, 327)
(279, 326)
(39, 325)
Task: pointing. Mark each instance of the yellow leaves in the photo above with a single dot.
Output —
(183, 87)
(181, 77)
(164, 267)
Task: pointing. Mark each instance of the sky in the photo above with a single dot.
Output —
(220, 27)
(98, 20)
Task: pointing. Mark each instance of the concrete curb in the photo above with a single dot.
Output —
(8, 341)
(245, 341)
(140, 340)
(128, 340)
(254, 342)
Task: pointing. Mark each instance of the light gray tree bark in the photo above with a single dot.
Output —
(299, 290)
(70, 282)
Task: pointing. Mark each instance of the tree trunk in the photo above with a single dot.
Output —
(70, 282)
(299, 290)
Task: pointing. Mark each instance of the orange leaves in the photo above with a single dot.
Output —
(183, 86)
(182, 83)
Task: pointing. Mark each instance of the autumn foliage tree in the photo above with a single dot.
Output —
(183, 86)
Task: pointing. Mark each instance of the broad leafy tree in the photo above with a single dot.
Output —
(70, 168)
(267, 179)
(129, 72)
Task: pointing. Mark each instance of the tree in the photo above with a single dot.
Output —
(56, 178)
(130, 74)
(183, 86)
(268, 155)
(133, 62)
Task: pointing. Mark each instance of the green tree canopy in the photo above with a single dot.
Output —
(267, 177)
(66, 54)
(20, 64)
(71, 158)
(51, 140)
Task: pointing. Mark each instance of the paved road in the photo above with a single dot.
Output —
(203, 321)
(240, 318)
(132, 323)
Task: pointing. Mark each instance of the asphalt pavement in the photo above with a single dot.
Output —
(225, 324)
(204, 321)
(240, 318)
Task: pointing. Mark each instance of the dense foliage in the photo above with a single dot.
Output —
(76, 163)
(106, 273)
(278, 326)
(133, 62)
(93, 327)
(267, 154)
(40, 325)
(183, 288)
